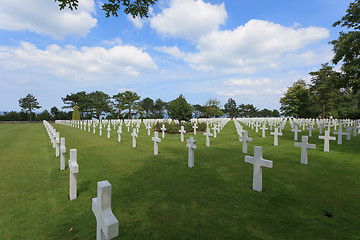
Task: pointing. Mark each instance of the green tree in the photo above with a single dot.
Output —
(126, 100)
(230, 108)
(45, 115)
(296, 100)
(147, 105)
(275, 113)
(29, 103)
(265, 113)
(180, 109)
(133, 7)
(159, 109)
(75, 114)
(247, 110)
(81, 99)
(100, 104)
(212, 108)
(347, 49)
(198, 110)
(324, 89)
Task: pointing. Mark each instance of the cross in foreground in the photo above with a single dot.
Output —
(107, 226)
(258, 163)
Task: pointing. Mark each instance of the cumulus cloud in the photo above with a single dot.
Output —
(44, 17)
(84, 64)
(137, 22)
(189, 19)
(247, 82)
(256, 45)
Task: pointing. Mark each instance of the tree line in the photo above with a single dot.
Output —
(127, 105)
(332, 93)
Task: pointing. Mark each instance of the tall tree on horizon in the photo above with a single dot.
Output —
(126, 100)
(28, 103)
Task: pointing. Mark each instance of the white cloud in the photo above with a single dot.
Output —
(45, 17)
(84, 64)
(189, 19)
(137, 22)
(257, 45)
(247, 82)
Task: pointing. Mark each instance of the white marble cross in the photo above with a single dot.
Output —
(276, 134)
(295, 130)
(94, 127)
(263, 128)
(304, 146)
(108, 131)
(326, 138)
(163, 129)
(85, 125)
(100, 128)
(134, 135)
(258, 161)
(240, 130)
(208, 134)
(148, 127)
(62, 154)
(245, 139)
(195, 127)
(355, 129)
(89, 124)
(57, 144)
(182, 131)
(310, 128)
(320, 128)
(339, 134)
(107, 226)
(156, 140)
(74, 169)
(257, 125)
(348, 132)
(119, 131)
(191, 144)
(215, 131)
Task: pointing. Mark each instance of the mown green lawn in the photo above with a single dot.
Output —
(159, 197)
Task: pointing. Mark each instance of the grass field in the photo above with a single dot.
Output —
(159, 197)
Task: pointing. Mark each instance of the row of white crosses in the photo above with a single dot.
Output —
(73, 165)
(107, 224)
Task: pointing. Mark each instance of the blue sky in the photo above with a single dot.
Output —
(248, 50)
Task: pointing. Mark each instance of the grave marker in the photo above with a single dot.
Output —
(107, 226)
(245, 139)
(156, 140)
(134, 135)
(182, 131)
(62, 154)
(304, 146)
(191, 144)
(326, 139)
(276, 134)
(74, 169)
(258, 161)
(208, 134)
